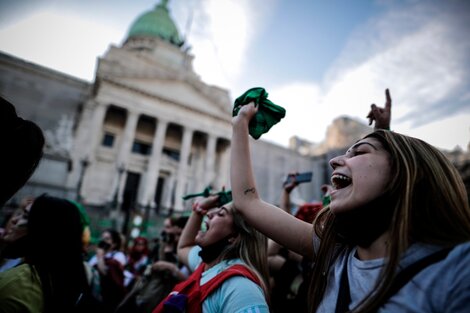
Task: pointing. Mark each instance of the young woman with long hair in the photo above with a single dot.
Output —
(52, 277)
(225, 241)
(395, 236)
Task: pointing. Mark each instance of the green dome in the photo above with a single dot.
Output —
(156, 23)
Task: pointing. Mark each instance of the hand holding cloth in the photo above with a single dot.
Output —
(268, 113)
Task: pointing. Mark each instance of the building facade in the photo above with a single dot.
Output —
(144, 133)
(148, 130)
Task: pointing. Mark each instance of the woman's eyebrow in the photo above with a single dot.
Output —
(224, 208)
(357, 145)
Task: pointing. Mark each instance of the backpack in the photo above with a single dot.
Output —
(148, 291)
(189, 295)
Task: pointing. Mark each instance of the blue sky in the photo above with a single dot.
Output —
(318, 59)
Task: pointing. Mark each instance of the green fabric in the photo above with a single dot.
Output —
(205, 193)
(326, 200)
(20, 290)
(224, 196)
(268, 113)
(84, 218)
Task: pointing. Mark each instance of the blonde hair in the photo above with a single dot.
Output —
(250, 246)
(431, 207)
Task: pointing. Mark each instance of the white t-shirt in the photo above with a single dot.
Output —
(116, 255)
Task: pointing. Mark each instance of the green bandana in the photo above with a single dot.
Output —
(224, 196)
(84, 218)
(268, 113)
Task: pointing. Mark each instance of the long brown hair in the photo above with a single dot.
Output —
(251, 247)
(431, 207)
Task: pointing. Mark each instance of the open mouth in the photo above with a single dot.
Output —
(204, 225)
(340, 181)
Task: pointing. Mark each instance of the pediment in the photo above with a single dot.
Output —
(203, 98)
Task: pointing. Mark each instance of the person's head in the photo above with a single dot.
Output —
(112, 238)
(232, 237)
(140, 246)
(54, 225)
(172, 229)
(421, 198)
(17, 226)
(22, 144)
(55, 250)
(430, 199)
(360, 175)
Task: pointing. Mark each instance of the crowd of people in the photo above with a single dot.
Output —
(391, 234)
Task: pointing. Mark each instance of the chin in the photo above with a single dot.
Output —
(198, 239)
(338, 208)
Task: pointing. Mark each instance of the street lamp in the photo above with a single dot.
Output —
(120, 169)
(84, 164)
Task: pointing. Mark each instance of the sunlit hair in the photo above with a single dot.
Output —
(250, 246)
(431, 207)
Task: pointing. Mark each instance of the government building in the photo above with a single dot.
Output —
(147, 131)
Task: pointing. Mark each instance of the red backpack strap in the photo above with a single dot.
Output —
(190, 285)
(234, 270)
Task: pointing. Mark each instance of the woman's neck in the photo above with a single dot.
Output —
(212, 264)
(377, 250)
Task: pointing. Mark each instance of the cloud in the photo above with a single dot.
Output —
(57, 40)
(420, 53)
(304, 118)
(220, 41)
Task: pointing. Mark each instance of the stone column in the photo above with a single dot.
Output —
(125, 150)
(88, 138)
(127, 137)
(222, 177)
(150, 178)
(95, 130)
(209, 166)
(183, 167)
(168, 191)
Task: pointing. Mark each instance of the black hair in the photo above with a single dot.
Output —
(179, 221)
(115, 237)
(55, 251)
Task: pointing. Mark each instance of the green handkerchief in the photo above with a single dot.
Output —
(268, 113)
(224, 196)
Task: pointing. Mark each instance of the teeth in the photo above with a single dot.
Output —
(204, 226)
(339, 181)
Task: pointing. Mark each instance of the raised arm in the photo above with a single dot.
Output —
(275, 223)
(286, 190)
(381, 116)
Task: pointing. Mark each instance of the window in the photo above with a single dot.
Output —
(108, 140)
(173, 154)
(141, 148)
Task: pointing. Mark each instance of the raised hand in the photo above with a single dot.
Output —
(202, 205)
(381, 116)
(246, 112)
(291, 182)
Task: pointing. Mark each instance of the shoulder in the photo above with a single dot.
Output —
(120, 257)
(20, 290)
(238, 294)
(193, 258)
(443, 286)
(22, 274)
(93, 261)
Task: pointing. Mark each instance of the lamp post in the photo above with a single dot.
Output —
(84, 164)
(114, 202)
